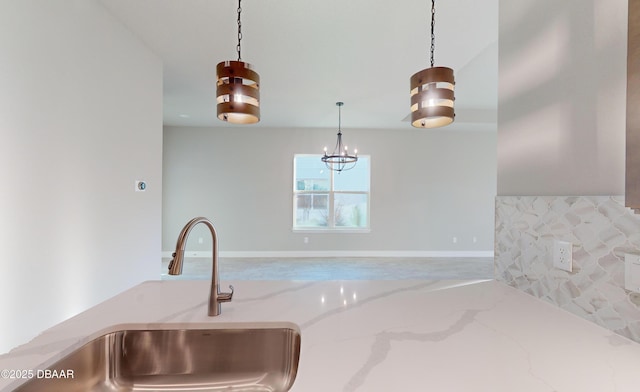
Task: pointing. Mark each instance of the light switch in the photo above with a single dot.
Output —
(632, 272)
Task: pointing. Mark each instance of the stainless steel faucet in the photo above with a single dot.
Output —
(175, 266)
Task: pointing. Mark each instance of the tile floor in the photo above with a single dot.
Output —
(336, 268)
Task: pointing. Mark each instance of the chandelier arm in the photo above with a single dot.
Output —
(338, 148)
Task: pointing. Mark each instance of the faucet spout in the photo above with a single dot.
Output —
(175, 266)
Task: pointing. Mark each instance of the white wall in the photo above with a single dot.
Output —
(427, 186)
(80, 121)
(561, 156)
(562, 84)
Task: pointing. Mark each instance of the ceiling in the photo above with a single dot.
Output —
(311, 54)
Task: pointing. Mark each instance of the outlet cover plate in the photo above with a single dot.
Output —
(563, 255)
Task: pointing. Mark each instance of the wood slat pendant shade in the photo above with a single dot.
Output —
(238, 92)
(432, 97)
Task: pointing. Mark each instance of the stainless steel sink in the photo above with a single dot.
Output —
(233, 359)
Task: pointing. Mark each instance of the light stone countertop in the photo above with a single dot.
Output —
(380, 336)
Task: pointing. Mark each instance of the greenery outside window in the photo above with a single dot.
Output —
(328, 200)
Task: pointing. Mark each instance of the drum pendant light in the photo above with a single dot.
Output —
(432, 91)
(238, 88)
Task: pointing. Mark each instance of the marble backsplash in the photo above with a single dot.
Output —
(601, 230)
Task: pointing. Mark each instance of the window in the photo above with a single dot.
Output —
(328, 200)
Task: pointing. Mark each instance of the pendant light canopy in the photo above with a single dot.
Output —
(238, 88)
(432, 91)
(340, 159)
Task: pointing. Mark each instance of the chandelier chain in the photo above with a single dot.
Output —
(239, 30)
(433, 24)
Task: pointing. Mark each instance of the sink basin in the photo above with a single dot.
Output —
(230, 359)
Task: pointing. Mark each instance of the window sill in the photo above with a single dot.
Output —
(333, 231)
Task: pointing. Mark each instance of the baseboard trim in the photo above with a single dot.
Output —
(337, 253)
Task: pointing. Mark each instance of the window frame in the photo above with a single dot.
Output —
(331, 227)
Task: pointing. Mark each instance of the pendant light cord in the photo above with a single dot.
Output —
(433, 24)
(240, 31)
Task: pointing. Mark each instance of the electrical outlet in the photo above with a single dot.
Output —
(563, 255)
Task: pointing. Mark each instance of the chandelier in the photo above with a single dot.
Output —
(432, 91)
(238, 88)
(340, 159)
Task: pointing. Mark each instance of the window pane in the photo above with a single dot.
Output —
(351, 210)
(312, 209)
(324, 199)
(356, 179)
(311, 173)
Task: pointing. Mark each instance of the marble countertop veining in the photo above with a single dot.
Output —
(377, 336)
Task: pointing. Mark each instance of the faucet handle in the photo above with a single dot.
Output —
(226, 297)
(173, 259)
